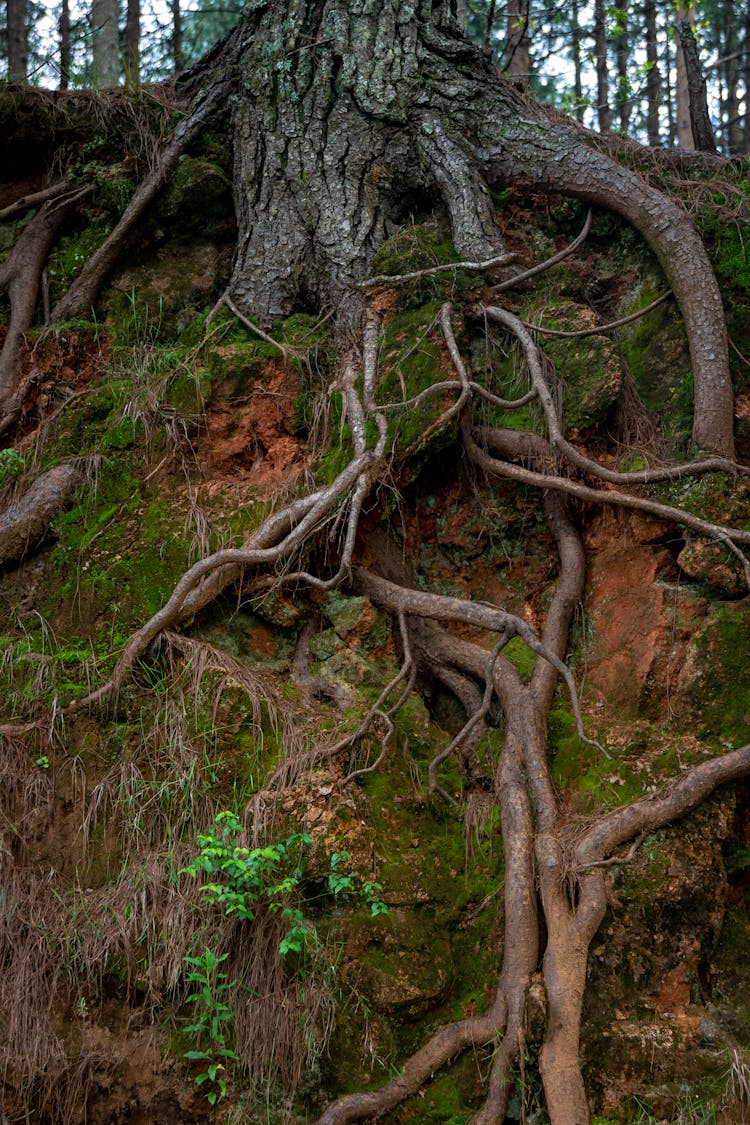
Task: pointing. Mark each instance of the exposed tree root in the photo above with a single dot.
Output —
(532, 823)
(82, 294)
(25, 521)
(20, 277)
(325, 149)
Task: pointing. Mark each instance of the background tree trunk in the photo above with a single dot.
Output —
(177, 55)
(64, 33)
(746, 65)
(517, 46)
(700, 123)
(18, 51)
(653, 78)
(682, 93)
(577, 68)
(622, 48)
(602, 68)
(106, 60)
(133, 43)
(730, 49)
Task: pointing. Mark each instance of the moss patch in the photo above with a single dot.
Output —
(721, 690)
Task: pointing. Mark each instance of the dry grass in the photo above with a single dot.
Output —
(737, 1094)
(121, 924)
(282, 1025)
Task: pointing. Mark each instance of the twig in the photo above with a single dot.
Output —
(465, 395)
(527, 274)
(616, 861)
(402, 278)
(407, 671)
(473, 719)
(26, 202)
(533, 356)
(600, 328)
(735, 349)
(227, 300)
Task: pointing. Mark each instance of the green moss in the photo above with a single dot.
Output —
(416, 248)
(198, 199)
(521, 657)
(301, 330)
(122, 434)
(655, 350)
(600, 781)
(721, 691)
(715, 496)
(137, 574)
(729, 962)
(71, 253)
(589, 367)
(237, 367)
(345, 613)
(498, 366)
(410, 364)
(335, 460)
(731, 259)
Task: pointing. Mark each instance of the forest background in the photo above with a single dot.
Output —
(613, 67)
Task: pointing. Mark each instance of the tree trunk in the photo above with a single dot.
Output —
(18, 51)
(517, 52)
(133, 43)
(106, 62)
(345, 118)
(489, 26)
(602, 68)
(321, 165)
(577, 69)
(342, 118)
(746, 65)
(682, 91)
(669, 90)
(177, 56)
(64, 33)
(622, 48)
(26, 520)
(732, 54)
(653, 78)
(700, 123)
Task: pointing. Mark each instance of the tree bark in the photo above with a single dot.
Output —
(732, 54)
(106, 62)
(700, 123)
(746, 75)
(683, 123)
(26, 521)
(133, 43)
(20, 277)
(517, 51)
(325, 150)
(18, 51)
(341, 115)
(64, 34)
(622, 49)
(178, 58)
(577, 68)
(602, 68)
(653, 79)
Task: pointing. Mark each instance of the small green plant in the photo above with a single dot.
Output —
(240, 881)
(240, 877)
(11, 464)
(211, 1026)
(340, 882)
